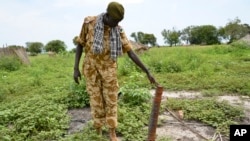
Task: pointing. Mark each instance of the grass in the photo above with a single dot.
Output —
(34, 99)
(221, 67)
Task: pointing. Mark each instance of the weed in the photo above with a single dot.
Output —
(78, 96)
(34, 100)
(10, 63)
(134, 95)
(173, 67)
(241, 45)
(209, 111)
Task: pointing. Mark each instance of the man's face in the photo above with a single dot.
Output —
(111, 21)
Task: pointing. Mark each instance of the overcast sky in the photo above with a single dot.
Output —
(24, 21)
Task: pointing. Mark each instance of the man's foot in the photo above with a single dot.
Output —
(112, 134)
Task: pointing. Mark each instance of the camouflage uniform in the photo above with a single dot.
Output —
(100, 72)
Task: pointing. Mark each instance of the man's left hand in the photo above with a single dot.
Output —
(152, 79)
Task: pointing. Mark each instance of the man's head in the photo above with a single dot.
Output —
(115, 10)
(115, 13)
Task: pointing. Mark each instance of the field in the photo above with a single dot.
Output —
(35, 99)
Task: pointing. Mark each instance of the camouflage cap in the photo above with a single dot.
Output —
(115, 10)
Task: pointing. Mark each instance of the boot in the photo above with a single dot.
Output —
(112, 134)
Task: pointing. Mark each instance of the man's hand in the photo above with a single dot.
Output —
(77, 75)
(152, 79)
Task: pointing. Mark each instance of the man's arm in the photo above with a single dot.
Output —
(138, 62)
(78, 55)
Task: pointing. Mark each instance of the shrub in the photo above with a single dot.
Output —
(126, 66)
(2, 94)
(9, 63)
(134, 95)
(35, 119)
(133, 120)
(173, 67)
(78, 96)
(209, 111)
(241, 45)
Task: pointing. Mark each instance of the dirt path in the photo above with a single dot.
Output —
(178, 130)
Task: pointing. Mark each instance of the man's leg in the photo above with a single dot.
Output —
(110, 91)
(94, 90)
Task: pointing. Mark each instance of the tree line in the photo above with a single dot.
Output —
(52, 46)
(197, 35)
(191, 35)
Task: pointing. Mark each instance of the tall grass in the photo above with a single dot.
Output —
(223, 68)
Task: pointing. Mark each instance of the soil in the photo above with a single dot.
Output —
(172, 124)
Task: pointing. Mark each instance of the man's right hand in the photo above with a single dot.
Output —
(77, 75)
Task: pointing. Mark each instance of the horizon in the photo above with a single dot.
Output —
(44, 21)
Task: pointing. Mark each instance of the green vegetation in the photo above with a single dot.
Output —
(222, 68)
(34, 47)
(10, 63)
(217, 114)
(197, 34)
(34, 99)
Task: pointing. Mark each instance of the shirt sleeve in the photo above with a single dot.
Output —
(126, 45)
(81, 39)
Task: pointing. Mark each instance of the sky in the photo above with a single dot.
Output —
(24, 21)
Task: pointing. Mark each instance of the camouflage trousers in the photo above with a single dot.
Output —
(103, 100)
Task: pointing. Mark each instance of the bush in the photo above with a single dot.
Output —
(2, 94)
(132, 121)
(78, 96)
(209, 111)
(35, 119)
(126, 66)
(9, 63)
(241, 45)
(133, 95)
(173, 67)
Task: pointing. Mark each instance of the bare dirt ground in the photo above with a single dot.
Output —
(172, 126)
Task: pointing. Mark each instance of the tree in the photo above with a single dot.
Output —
(186, 34)
(171, 37)
(205, 34)
(140, 36)
(144, 38)
(247, 27)
(55, 46)
(149, 39)
(34, 47)
(133, 35)
(234, 30)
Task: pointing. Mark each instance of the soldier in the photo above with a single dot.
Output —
(103, 41)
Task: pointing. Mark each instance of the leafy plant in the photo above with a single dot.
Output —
(173, 67)
(209, 111)
(241, 44)
(34, 100)
(87, 134)
(132, 121)
(78, 96)
(36, 119)
(10, 63)
(134, 95)
(126, 66)
(2, 94)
